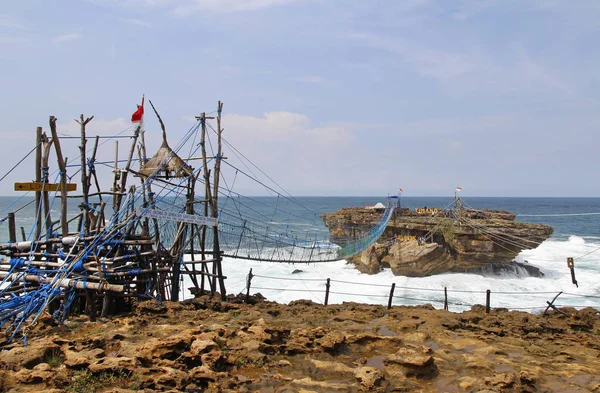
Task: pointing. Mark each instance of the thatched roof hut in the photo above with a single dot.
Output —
(166, 163)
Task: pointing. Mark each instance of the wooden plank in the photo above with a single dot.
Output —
(35, 186)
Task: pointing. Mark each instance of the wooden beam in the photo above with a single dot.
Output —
(40, 186)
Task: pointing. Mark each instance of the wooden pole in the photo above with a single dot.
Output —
(218, 158)
(38, 179)
(551, 304)
(327, 286)
(571, 265)
(445, 299)
(23, 236)
(64, 283)
(63, 177)
(12, 231)
(84, 177)
(248, 283)
(115, 187)
(118, 198)
(208, 192)
(487, 301)
(391, 295)
(47, 143)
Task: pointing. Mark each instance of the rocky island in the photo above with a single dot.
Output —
(428, 241)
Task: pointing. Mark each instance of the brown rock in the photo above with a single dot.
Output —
(413, 361)
(458, 248)
(170, 377)
(35, 376)
(114, 364)
(199, 347)
(369, 378)
(331, 341)
(369, 261)
(325, 386)
(29, 356)
(332, 367)
(82, 359)
(502, 380)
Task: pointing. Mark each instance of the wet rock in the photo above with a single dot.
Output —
(332, 367)
(331, 341)
(368, 262)
(324, 386)
(417, 362)
(369, 378)
(467, 383)
(502, 380)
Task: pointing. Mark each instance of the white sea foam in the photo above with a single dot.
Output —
(348, 284)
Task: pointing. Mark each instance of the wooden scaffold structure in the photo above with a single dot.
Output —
(97, 262)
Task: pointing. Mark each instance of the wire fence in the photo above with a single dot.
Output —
(442, 297)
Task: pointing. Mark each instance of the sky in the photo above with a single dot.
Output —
(327, 97)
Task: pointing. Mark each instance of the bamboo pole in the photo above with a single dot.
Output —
(64, 283)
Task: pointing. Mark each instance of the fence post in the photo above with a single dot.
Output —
(571, 265)
(248, 283)
(391, 295)
(12, 231)
(445, 298)
(487, 301)
(327, 291)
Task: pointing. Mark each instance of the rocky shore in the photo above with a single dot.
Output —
(204, 345)
(426, 242)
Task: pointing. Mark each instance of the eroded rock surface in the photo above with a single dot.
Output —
(481, 241)
(203, 345)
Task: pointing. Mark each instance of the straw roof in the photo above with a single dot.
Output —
(166, 163)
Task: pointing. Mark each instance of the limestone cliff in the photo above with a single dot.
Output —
(428, 241)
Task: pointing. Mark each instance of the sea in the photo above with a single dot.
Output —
(576, 223)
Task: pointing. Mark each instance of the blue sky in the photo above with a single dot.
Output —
(328, 97)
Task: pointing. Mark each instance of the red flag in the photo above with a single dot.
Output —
(401, 190)
(458, 188)
(136, 117)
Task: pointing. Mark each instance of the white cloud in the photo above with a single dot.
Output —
(295, 153)
(136, 22)
(67, 37)
(8, 22)
(466, 70)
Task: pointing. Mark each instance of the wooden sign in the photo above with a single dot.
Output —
(35, 186)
